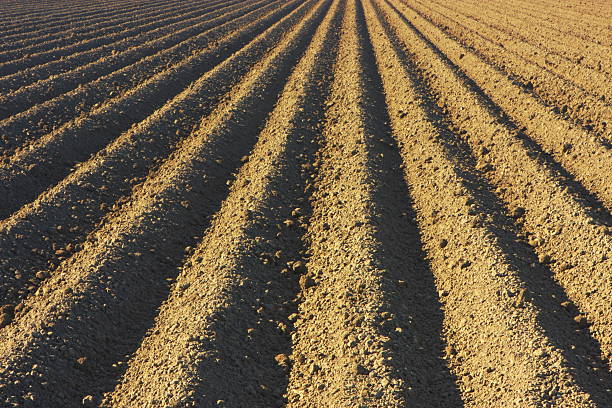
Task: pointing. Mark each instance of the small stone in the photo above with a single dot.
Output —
(520, 298)
(465, 264)
(581, 320)
(81, 360)
(352, 342)
(282, 360)
(443, 243)
(41, 275)
(89, 401)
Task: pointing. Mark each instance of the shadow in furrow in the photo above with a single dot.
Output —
(53, 228)
(25, 58)
(416, 328)
(276, 294)
(120, 77)
(72, 58)
(262, 305)
(255, 328)
(74, 144)
(20, 48)
(579, 348)
(122, 310)
(592, 205)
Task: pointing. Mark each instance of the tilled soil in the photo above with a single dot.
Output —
(305, 203)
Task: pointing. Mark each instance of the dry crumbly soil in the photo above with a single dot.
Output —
(305, 203)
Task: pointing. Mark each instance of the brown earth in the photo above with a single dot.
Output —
(305, 203)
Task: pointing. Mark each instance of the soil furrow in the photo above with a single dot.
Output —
(53, 56)
(507, 342)
(47, 18)
(305, 203)
(580, 21)
(584, 31)
(42, 118)
(52, 24)
(550, 44)
(237, 281)
(49, 159)
(112, 54)
(557, 13)
(28, 11)
(574, 241)
(18, 49)
(587, 9)
(591, 113)
(159, 49)
(91, 296)
(51, 11)
(31, 13)
(590, 82)
(516, 37)
(572, 147)
(99, 184)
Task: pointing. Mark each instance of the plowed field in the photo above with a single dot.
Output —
(305, 203)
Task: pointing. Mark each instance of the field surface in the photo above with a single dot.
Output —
(305, 203)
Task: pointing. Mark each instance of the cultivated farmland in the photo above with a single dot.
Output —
(305, 203)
